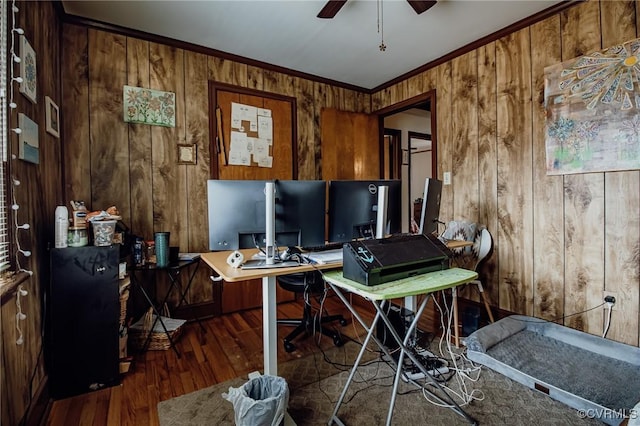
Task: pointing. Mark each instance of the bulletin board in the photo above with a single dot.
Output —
(253, 134)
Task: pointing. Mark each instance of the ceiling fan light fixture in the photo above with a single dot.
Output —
(382, 46)
(421, 6)
(331, 8)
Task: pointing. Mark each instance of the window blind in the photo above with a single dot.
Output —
(4, 144)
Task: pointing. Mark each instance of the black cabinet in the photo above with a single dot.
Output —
(83, 319)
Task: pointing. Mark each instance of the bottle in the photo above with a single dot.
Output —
(138, 254)
(151, 252)
(61, 226)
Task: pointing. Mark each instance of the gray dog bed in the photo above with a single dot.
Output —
(597, 376)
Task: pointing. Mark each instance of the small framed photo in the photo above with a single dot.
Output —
(52, 117)
(187, 153)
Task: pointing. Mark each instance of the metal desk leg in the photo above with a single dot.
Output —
(334, 415)
(403, 348)
(269, 326)
(405, 351)
(370, 335)
(174, 280)
(158, 318)
(380, 315)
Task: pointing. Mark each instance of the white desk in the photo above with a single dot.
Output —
(218, 262)
(377, 295)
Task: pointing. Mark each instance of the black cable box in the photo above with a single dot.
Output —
(400, 318)
(373, 262)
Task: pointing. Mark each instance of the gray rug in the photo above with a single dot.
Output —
(315, 386)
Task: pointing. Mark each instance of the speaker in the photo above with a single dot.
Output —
(400, 319)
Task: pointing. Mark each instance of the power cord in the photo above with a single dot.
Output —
(537, 320)
(462, 368)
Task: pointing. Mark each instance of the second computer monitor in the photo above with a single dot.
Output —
(430, 206)
(237, 213)
(353, 208)
(300, 212)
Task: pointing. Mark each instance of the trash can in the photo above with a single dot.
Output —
(470, 320)
(262, 400)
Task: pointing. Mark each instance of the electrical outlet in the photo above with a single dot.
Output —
(446, 177)
(613, 294)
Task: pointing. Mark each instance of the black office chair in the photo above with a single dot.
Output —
(308, 283)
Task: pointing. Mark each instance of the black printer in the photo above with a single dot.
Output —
(377, 261)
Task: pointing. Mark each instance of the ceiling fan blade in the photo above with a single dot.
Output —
(331, 8)
(421, 6)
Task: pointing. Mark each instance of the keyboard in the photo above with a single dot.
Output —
(324, 247)
(262, 264)
(326, 256)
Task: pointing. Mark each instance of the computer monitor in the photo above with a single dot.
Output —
(429, 217)
(237, 218)
(353, 208)
(300, 212)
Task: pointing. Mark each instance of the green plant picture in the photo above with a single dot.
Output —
(147, 106)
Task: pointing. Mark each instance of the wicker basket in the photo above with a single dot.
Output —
(159, 340)
(124, 296)
(124, 287)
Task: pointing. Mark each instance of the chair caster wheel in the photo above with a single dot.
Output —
(289, 347)
(343, 322)
(337, 340)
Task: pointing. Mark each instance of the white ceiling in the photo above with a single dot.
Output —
(288, 34)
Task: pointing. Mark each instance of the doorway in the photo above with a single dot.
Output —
(412, 124)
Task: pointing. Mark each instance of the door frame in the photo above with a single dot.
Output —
(395, 160)
(430, 97)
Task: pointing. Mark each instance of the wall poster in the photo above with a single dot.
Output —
(592, 108)
(251, 136)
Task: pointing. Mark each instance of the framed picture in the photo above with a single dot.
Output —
(148, 106)
(52, 117)
(28, 70)
(29, 149)
(187, 153)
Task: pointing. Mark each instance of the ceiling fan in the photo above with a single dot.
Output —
(333, 6)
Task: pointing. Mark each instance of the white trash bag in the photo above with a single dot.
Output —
(261, 401)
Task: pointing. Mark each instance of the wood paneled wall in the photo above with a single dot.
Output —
(39, 192)
(560, 241)
(133, 166)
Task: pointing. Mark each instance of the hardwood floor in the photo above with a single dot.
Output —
(230, 347)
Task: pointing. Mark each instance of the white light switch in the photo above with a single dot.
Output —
(447, 178)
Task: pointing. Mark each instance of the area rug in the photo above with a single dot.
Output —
(316, 381)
